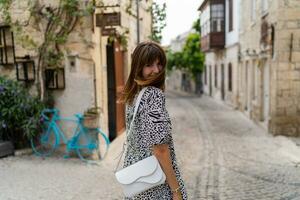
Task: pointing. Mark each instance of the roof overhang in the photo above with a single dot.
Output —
(201, 7)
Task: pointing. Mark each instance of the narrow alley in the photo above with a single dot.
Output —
(222, 155)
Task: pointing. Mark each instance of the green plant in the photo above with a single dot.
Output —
(158, 20)
(53, 22)
(19, 113)
(174, 60)
(190, 58)
(122, 37)
(196, 26)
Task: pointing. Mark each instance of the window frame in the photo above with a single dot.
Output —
(216, 76)
(230, 77)
(230, 17)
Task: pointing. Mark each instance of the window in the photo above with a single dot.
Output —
(25, 69)
(205, 28)
(230, 77)
(256, 79)
(230, 15)
(216, 76)
(55, 78)
(272, 39)
(204, 21)
(253, 85)
(7, 49)
(217, 17)
(205, 74)
(246, 86)
(253, 5)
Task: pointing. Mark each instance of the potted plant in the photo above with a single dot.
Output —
(6, 146)
(91, 117)
(19, 113)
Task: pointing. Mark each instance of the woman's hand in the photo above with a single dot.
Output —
(162, 153)
(177, 196)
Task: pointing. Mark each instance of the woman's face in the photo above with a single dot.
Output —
(151, 69)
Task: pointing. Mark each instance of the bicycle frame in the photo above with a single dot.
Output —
(60, 134)
(81, 140)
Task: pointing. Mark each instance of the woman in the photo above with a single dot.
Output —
(151, 131)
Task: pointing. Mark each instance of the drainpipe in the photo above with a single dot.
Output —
(95, 86)
(137, 21)
(261, 87)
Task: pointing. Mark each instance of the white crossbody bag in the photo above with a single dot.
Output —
(142, 175)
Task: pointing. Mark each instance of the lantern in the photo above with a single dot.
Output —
(25, 69)
(55, 78)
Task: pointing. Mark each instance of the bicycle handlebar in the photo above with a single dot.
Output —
(54, 111)
(79, 116)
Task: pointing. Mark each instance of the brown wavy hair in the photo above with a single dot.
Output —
(144, 53)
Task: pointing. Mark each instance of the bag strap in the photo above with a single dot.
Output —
(137, 103)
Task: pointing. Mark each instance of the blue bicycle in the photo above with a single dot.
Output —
(85, 141)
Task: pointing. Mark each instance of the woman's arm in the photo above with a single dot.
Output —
(162, 153)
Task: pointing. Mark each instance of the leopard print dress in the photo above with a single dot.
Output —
(152, 125)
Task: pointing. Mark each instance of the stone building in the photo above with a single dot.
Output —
(179, 79)
(95, 67)
(269, 64)
(219, 41)
(261, 59)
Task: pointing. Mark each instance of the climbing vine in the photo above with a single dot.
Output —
(16, 26)
(158, 12)
(54, 23)
(128, 9)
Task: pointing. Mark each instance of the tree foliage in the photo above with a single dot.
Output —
(175, 59)
(196, 26)
(158, 21)
(190, 58)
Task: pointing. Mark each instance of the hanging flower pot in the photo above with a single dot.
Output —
(91, 118)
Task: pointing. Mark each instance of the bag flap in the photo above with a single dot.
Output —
(153, 178)
(140, 169)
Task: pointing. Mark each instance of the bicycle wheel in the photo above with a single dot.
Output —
(45, 143)
(88, 145)
(103, 144)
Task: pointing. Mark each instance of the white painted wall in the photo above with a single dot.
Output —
(233, 36)
(204, 18)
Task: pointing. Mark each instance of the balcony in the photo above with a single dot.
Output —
(212, 25)
(213, 41)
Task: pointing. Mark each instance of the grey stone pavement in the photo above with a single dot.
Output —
(221, 153)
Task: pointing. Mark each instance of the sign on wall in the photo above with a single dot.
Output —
(108, 31)
(108, 19)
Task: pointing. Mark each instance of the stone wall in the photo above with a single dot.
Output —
(78, 94)
(286, 118)
(86, 81)
(231, 58)
(280, 95)
(214, 62)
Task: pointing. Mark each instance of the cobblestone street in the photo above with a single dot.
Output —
(222, 155)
